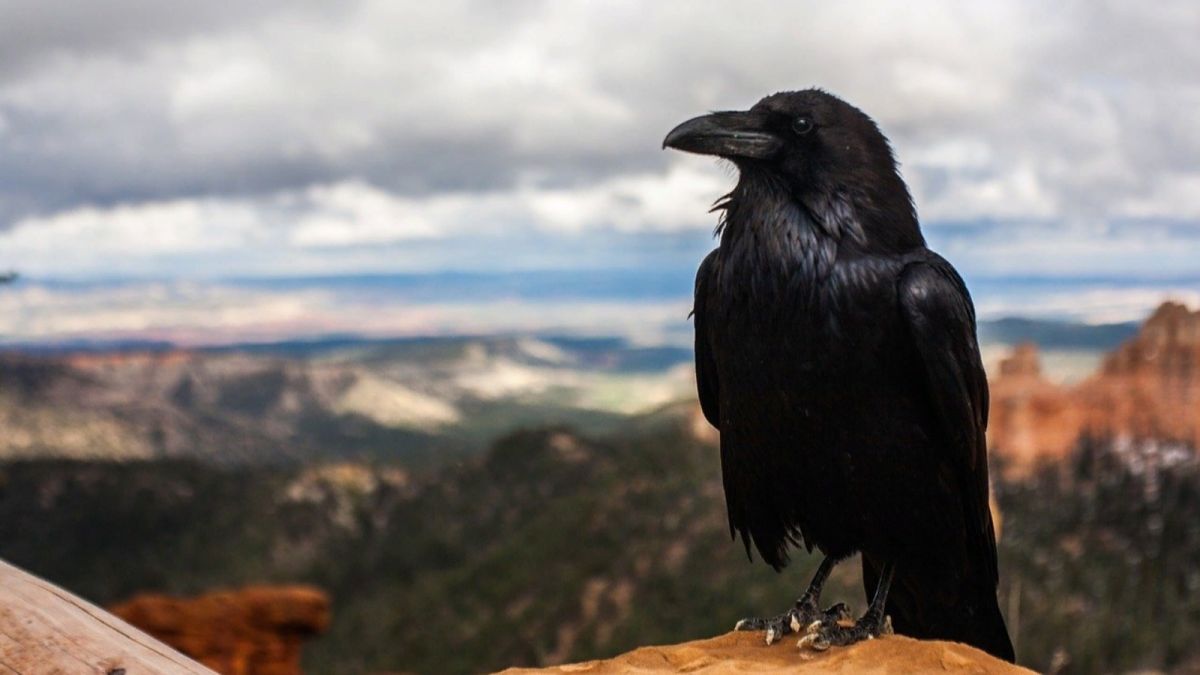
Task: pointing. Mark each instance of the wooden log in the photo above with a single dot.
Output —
(45, 630)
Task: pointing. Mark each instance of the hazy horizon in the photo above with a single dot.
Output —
(644, 306)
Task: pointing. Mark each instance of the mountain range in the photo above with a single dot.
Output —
(419, 400)
(411, 399)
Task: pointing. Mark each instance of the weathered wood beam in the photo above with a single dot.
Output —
(45, 630)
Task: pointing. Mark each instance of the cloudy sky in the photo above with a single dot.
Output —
(185, 141)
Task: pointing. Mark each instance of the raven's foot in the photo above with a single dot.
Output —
(805, 614)
(822, 636)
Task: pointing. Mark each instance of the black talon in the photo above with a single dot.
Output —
(804, 613)
(872, 624)
(776, 626)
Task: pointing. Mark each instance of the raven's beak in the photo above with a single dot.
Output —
(726, 134)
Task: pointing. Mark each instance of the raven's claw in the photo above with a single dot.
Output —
(825, 635)
(805, 613)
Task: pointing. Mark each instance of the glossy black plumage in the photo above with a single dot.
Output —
(837, 356)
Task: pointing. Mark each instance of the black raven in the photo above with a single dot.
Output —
(837, 356)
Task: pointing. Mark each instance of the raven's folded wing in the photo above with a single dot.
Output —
(941, 321)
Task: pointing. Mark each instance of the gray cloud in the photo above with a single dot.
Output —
(1065, 117)
(32, 33)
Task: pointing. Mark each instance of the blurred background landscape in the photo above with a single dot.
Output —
(373, 318)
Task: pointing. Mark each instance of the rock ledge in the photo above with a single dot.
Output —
(746, 653)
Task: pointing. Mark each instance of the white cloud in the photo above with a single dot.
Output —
(1173, 196)
(635, 202)
(134, 230)
(353, 213)
(132, 238)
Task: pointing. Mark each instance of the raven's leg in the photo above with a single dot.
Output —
(872, 624)
(804, 613)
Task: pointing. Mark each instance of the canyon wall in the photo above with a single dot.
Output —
(1147, 389)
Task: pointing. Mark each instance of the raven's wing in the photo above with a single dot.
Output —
(941, 321)
(706, 367)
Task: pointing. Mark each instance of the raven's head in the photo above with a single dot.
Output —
(830, 156)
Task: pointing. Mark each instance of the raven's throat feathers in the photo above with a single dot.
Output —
(845, 215)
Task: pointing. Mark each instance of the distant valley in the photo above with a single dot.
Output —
(416, 400)
(404, 399)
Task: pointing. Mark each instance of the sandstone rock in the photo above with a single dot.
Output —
(257, 630)
(746, 653)
(1149, 388)
(1031, 418)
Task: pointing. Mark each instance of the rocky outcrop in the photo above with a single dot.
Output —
(1031, 418)
(257, 630)
(1149, 388)
(746, 653)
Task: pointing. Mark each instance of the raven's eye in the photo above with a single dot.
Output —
(802, 125)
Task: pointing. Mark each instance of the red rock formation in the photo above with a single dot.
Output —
(1031, 418)
(257, 630)
(1149, 388)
